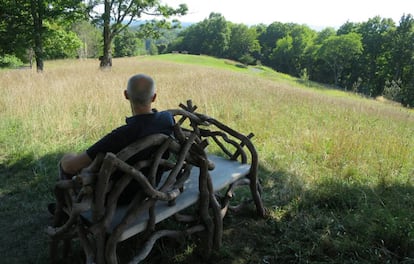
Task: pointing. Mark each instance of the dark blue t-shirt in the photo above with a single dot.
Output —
(136, 127)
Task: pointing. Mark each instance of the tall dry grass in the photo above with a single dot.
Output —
(324, 148)
(73, 103)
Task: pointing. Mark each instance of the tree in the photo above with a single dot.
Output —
(23, 24)
(91, 38)
(119, 14)
(348, 27)
(215, 32)
(282, 54)
(376, 39)
(339, 52)
(41, 10)
(210, 36)
(289, 55)
(59, 43)
(243, 43)
(402, 58)
(126, 44)
(14, 36)
(270, 36)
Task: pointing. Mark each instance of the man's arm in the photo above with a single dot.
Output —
(73, 163)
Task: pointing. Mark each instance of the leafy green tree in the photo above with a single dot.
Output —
(376, 39)
(59, 43)
(348, 27)
(210, 36)
(152, 48)
(215, 33)
(91, 38)
(339, 52)
(14, 29)
(282, 54)
(324, 34)
(243, 43)
(314, 66)
(42, 10)
(402, 58)
(24, 22)
(126, 44)
(268, 38)
(289, 55)
(117, 15)
(190, 40)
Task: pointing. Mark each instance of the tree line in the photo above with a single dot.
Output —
(374, 58)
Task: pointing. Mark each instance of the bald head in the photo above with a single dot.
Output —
(141, 90)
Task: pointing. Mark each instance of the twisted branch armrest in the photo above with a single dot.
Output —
(142, 180)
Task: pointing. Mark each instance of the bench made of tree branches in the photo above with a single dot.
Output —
(178, 174)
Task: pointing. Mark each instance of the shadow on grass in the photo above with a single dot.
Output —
(341, 222)
(25, 190)
(329, 222)
(333, 221)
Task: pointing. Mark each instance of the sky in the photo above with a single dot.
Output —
(317, 14)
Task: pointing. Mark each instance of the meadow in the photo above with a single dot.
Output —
(337, 169)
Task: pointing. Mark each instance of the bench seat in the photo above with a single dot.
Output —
(225, 172)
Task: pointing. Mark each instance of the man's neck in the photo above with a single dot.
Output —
(141, 110)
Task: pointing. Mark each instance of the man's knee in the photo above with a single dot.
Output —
(65, 167)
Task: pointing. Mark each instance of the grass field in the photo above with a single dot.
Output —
(337, 169)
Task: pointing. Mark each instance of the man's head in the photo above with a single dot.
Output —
(140, 90)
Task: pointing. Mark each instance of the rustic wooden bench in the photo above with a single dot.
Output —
(177, 173)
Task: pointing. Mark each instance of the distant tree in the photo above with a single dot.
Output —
(42, 10)
(324, 34)
(402, 58)
(15, 31)
(348, 27)
(243, 43)
(59, 43)
(268, 38)
(23, 23)
(216, 35)
(289, 55)
(91, 38)
(339, 52)
(152, 48)
(315, 67)
(210, 36)
(282, 55)
(126, 44)
(117, 15)
(376, 42)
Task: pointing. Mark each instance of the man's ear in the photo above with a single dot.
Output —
(153, 98)
(126, 94)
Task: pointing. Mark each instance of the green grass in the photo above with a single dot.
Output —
(337, 169)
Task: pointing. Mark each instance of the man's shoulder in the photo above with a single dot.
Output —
(163, 114)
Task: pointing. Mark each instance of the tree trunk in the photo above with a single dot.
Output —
(37, 14)
(106, 59)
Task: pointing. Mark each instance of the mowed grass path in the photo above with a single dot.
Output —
(337, 169)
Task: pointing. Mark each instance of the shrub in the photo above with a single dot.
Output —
(393, 91)
(10, 61)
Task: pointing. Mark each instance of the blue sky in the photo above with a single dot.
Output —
(314, 13)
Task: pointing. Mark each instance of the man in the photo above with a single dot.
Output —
(144, 121)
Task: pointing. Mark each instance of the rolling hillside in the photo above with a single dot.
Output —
(337, 168)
